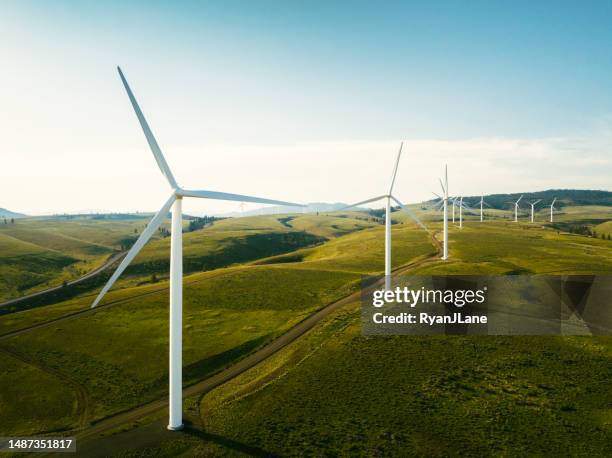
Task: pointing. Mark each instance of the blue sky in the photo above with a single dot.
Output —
(256, 97)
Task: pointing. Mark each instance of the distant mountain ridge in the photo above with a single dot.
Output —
(4, 213)
(310, 208)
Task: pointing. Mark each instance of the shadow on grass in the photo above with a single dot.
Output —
(227, 442)
(207, 366)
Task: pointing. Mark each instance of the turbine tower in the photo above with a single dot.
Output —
(532, 207)
(516, 207)
(388, 197)
(461, 212)
(552, 206)
(445, 220)
(482, 203)
(173, 203)
(443, 204)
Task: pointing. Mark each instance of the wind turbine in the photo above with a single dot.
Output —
(516, 207)
(552, 206)
(482, 202)
(445, 220)
(174, 202)
(532, 207)
(461, 212)
(388, 197)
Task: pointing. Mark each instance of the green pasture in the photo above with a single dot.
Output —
(27, 397)
(519, 248)
(37, 253)
(254, 277)
(336, 393)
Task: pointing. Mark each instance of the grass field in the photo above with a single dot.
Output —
(333, 389)
(228, 313)
(26, 396)
(337, 393)
(508, 247)
(41, 252)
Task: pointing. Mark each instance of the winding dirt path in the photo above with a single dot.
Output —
(97, 271)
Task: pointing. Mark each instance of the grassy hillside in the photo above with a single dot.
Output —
(333, 389)
(511, 248)
(24, 266)
(338, 393)
(41, 252)
(228, 313)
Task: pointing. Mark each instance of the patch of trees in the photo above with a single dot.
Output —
(580, 229)
(198, 223)
(126, 243)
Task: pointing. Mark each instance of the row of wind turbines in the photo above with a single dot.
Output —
(173, 204)
(458, 202)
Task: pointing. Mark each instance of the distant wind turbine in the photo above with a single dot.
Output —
(445, 220)
(388, 197)
(482, 203)
(516, 207)
(442, 203)
(533, 204)
(552, 206)
(173, 203)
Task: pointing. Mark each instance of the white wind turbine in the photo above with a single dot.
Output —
(552, 207)
(388, 197)
(482, 203)
(444, 200)
(516, 207)
(533, 204)
(174, 202)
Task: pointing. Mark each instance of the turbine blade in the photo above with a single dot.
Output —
(374, 199)
(442, 186)
(399, 154)
(159, 157)
(519, 199)
(236, 197)
(144, 238)
(436, 195)
(409, 213)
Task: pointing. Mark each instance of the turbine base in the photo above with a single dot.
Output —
(176, 428)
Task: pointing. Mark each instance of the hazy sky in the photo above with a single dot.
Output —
(303, 101)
